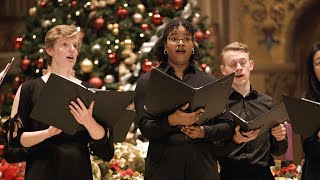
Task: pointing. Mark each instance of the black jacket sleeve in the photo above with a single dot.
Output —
(103, 148)
(311, 146)
(151, 127)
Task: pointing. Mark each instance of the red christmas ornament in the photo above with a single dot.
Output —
(156, 19)
(178, 4)
(10, 95)
(39, 63)
(122, 12)
(18, 42)
(113, 58)
(98, 23)
(16, 83)
(146, 65)
(73, 3)
(2, 98)
(96, 82)
(43, 4)
(25, 64)
(198, 36)
(207, 35)
(203, 66)
(159, 2)
(144, 27)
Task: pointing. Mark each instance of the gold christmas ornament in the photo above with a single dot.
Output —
(115, 31)
(111, 2)
(110, 26)
(137, 18)
(86, 65)
(116, 25)
(32, 11)
(141, 8)
(108, 79)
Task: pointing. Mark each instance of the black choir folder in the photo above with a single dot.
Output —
(304, 115)
(166, 94)
(52, 108)
(265, 122)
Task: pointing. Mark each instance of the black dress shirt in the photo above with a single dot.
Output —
(258, 152)
(171, 154)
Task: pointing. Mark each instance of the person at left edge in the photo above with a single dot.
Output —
(175, 153)
(55, 155)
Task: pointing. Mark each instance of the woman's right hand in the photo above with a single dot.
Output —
(52, 131)
(182, 118)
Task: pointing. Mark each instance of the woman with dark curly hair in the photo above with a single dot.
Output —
(178, 149)
(311, 145)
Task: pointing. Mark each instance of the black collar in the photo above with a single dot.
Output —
(169, 69)
(234, 95)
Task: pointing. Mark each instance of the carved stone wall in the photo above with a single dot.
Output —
(279, 34)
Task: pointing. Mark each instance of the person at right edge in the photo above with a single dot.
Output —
(177, 153)
(311, 145)
(251, 155)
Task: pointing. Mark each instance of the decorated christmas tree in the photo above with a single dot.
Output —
(117, 38)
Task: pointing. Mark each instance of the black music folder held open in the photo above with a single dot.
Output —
(265, 121)
(52, 107)
(303, 114)
(120, 130)
(166, 94)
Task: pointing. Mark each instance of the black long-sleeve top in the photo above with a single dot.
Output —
(311, 149)
(258, 152)
(172, 154)
(62, 156)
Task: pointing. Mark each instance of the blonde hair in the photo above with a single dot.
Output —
(60, 31)
(235, 46)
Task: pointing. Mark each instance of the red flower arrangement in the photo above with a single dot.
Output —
(289, 172)
(10, 171)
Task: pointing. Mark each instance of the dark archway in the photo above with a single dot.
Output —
(303, 32)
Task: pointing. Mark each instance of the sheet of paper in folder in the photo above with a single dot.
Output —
(265, 122)
(303, 115)
(166, 94)
(52, 105)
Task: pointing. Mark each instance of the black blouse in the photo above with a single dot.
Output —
(172, 154)
(62, 156)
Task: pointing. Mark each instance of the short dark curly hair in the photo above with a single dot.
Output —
(171, 26)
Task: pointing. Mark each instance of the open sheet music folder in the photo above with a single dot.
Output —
(304, 115)
(52, 107)
(265, 122)
(166, 94)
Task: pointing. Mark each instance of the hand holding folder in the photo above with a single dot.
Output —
(166, 94)
(52, 105)
(303, 115)
(265, 122)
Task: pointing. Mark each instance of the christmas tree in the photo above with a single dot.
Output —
(117, 38)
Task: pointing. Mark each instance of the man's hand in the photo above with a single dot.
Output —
(240, 137)
(194, 131)
(279, 132)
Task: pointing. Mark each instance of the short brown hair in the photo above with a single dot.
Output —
(64, 31)
(235, 46)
